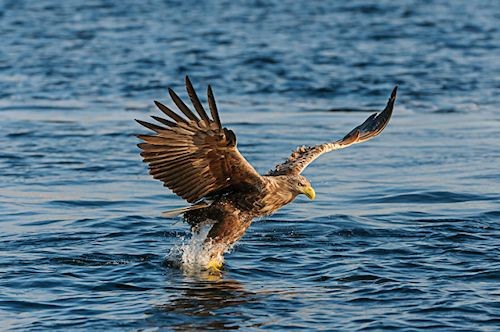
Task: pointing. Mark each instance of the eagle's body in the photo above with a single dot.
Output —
(198, 159)
(234, 210)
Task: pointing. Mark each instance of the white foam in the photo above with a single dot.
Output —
(194, 253)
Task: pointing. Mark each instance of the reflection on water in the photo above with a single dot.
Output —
(208, 301)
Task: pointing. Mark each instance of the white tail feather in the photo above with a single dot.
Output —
(176, 212)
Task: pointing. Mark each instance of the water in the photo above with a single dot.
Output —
(404, 232)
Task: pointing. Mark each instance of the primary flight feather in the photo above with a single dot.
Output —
(198, 159)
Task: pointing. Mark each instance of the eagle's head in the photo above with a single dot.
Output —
(301, 185)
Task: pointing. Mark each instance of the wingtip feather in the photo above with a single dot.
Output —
(196, 101)
(182, 107)
(167, 111)
(394, 92)
(150, 126)
(213, 106)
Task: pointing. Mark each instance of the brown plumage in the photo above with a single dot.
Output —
(197, 158)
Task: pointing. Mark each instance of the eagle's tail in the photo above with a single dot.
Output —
(176, 212)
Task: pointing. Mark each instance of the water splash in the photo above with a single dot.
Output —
(194, 254)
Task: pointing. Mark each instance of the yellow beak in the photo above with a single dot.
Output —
(309, 192)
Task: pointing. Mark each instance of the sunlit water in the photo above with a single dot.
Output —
(404, 232)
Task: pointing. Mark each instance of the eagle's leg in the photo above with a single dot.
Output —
(224, 234)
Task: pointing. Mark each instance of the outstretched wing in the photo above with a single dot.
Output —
(194, 156)
(303, 156)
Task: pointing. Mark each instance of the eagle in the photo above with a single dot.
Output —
(196, 157)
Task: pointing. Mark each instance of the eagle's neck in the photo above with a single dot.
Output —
(276, 193)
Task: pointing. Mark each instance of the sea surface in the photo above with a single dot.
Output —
(404, 233)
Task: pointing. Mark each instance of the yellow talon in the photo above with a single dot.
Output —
(214, 265)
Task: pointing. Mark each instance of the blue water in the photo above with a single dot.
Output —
(404, 233)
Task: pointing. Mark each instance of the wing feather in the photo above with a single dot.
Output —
(196, 101)
(182, 107)
(152, 126)
(164, 121)
(213, 107)
(370, 128)
(168, 112)
(194, 157)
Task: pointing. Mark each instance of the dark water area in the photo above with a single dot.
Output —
(404, 233)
